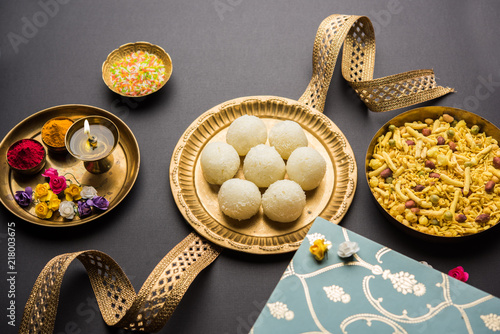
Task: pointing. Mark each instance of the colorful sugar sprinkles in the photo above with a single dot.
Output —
(139, 73)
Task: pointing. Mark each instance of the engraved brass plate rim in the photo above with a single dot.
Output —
(420, 114)
(31, 127)
(184, 174)
(126, 49)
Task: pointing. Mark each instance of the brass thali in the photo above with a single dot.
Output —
(114, 185)
(197, 199)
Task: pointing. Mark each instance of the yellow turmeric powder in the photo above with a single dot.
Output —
(54, 130)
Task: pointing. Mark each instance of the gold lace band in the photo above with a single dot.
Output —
(161, 293)
(357, 35)
(147, 311)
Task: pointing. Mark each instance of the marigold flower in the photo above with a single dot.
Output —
(42, 210)
(319, 249)
(42, 191)
(53, 201)
(72, 193)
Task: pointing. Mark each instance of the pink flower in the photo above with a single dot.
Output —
(459, 274)
(57, 184)
(51, 172)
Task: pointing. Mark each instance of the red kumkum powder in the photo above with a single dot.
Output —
(25, 154)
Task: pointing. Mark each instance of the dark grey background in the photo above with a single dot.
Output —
(223, 49)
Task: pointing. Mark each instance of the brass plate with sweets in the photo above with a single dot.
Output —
(114, 184)
(197, 199)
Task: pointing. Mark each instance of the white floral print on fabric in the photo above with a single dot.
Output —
(315, 236)
(337, 294)
(405, 283)
(492, 321)
(280, 310)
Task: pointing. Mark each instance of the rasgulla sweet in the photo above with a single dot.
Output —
(283, 201)
(286, 136)
(263, 166)
(219, 162)
(306, 167)
(246, 132)
(239, 199)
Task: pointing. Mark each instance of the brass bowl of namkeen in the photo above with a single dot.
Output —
(137, 69)
(435, 173)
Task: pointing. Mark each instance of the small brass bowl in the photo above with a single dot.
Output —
(34, 169)
(55, 149)
(127, 49)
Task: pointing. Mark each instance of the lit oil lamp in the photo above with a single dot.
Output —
(92, 140)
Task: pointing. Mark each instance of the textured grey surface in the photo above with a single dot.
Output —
(221, 50)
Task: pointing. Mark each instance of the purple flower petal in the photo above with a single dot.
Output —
(99, 202)
(23, 198)
(84, 209)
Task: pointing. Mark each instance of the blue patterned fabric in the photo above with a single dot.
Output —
(376, 290)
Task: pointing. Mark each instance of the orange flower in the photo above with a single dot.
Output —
(319, 249)
(43, 211)
(73, 193)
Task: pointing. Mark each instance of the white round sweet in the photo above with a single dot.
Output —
(219, 162)
(263, 166)
(239, 199)
(286, 136)
(306, 167)
(283, 201)
(246, 132)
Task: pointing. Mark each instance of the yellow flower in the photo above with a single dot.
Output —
(319, 249)
(53, 201)
(43, 211)
(73, 193)
(42, 192)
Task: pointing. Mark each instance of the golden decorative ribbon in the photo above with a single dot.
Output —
(148, 311)
(161, 293)
(358, 60)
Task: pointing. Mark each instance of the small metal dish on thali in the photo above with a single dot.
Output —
(53, 132)
(433, 171)
(26, 156)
